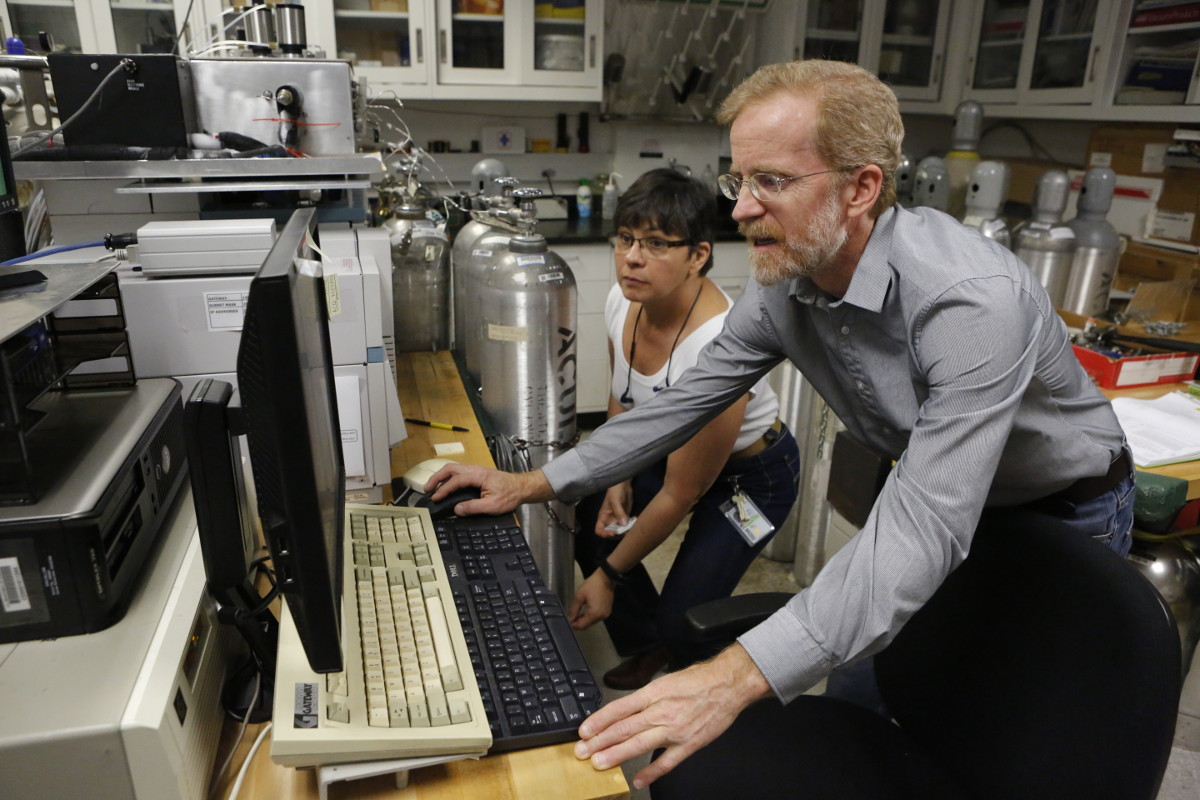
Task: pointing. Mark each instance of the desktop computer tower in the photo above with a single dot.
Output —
(131, 712)
(109, 462)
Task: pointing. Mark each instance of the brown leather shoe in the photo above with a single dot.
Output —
(636, 672)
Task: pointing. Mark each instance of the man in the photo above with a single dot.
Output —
(934, 345)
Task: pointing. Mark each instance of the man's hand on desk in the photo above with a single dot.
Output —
(499, 492)
(681, 711)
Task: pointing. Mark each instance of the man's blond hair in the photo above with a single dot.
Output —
(858, 119)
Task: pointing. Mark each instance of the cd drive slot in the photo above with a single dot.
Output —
(119, 536)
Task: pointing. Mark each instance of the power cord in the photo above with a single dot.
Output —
(237, 741)
(241, 776)
(126, 64)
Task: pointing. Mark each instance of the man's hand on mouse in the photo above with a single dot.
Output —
(499, 492)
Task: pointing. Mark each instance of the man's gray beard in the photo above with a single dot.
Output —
(800, 259)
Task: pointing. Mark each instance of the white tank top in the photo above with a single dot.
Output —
(760, 411)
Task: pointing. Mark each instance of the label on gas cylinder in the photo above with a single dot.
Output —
(507, 333)
(550, 276)
(525, 261)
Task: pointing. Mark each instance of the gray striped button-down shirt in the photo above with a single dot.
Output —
(945, 354)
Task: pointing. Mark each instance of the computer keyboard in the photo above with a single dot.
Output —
(408, 688)
(535, 683)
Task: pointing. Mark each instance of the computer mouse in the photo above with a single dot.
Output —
(419, 474)
(444, 508)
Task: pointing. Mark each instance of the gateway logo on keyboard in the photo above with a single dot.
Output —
(305, 715)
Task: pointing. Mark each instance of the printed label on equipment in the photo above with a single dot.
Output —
(305, 707)
(525, 261)
(12, 587)
(226, 311)
(507, 333)
(1173, 225)
(482, 253)
(550, 276)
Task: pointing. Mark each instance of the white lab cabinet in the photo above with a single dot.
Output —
(592, 266)
(1041, 51)
(106, 26)
(467, 49)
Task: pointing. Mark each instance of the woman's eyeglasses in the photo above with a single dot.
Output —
(652, 246)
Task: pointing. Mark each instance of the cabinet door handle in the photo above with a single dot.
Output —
(442, 45)
(420, 47)
(937, 70)
(1095, 58)
(592, 51)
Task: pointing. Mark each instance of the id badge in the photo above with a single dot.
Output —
(745, 516)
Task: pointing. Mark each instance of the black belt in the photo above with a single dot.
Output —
(761, 443)
(1085, 489)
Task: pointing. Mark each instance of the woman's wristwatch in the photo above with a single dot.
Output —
(611, 571)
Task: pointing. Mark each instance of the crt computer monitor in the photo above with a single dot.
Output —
(285, 379)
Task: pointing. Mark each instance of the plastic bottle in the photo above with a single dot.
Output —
(583, 198)
(608, 204)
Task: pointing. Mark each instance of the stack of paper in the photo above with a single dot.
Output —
(1165, 430)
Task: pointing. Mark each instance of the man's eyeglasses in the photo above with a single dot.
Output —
(763, 185)
(652, 246)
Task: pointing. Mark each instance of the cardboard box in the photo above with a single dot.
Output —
(1142, 263)
(1142, 151)
(1024, 174)
(1120, 373)
(1131, 150)
(1178, 206)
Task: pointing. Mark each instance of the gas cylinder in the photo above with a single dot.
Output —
(528, 308)
(963, 155)
(931, 184)
(1097, 245)
(490, 221)
(420, 280)
(485, 177)
(479, 243)
(1044, 242)
(986, 194)
(905, 172)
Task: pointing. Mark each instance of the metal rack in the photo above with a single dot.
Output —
(47, 346)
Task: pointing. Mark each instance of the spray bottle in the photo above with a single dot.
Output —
(1097, 245)
(608, 203)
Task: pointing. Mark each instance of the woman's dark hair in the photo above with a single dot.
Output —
(674, 204)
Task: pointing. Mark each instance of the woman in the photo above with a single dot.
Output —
(660, 314)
